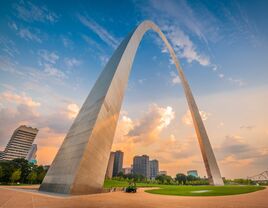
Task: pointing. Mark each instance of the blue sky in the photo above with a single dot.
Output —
(51, 53)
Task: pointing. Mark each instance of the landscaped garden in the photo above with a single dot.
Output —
(188, 190)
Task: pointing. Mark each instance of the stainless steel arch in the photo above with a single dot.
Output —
(80, 164)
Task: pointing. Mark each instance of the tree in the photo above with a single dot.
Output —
(164, 179)
(41, 173)
(15, 175)
(1, 173)
(24, 166)
(7, 171)
(41, 176)
(181, 178)
(242, 181)
(32, 177)
(191, 178)
(120, 174)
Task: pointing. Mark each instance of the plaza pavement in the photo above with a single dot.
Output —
(29, 197)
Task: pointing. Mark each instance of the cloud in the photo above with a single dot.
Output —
(183, 12)
(18, 99)
(11, 118)
(29, 12)
(125, 125)
(147, 129)
(33, 74)
(141, 81)
(72, 62)
(183, 46)
(238, 82)
(97, 49)
(102, 33)
(234, 145)
(15, 110)
(154, 120)
(232, 160)
(92, 43)
(67, 42)
(247, 127)
(235, 150)
(8, 65)
(73, 110)
(175, 79)
(51, 57)
(187, 117)
(8, 47)
(104, 59)
(134, 136)
(26, 33)
(239, 23)
(48, 61)
(221, 76)
(54, 72)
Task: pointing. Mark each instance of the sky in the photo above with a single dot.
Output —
(52, 53)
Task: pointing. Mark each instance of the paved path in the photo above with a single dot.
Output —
(18, 198)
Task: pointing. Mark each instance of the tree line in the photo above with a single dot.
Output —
(21, 171)
(180, 179)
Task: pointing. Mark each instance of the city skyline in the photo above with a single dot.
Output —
(44, 85)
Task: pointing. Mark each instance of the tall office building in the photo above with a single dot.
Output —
(118, 162)
(110, 166)
(141, 165)
(20, 143)
(154, 169)
(31, 156)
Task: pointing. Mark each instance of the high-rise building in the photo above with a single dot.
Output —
(31, 156)
(154, 169)
(110, 166)
(192, 173)
(141, 165)
(118, 162)
(20, 143)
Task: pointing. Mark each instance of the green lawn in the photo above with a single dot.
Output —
(204, 190)
(189, 190)
(114, 183)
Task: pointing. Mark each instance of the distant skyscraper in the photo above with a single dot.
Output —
(31, 156)
(118, 162)
(20, 143)
(141, 165)
(192, 173)
(110, 166)
(154, 168)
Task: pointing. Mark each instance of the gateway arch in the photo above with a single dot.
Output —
(80, 164)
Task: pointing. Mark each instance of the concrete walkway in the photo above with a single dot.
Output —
(18, 197)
